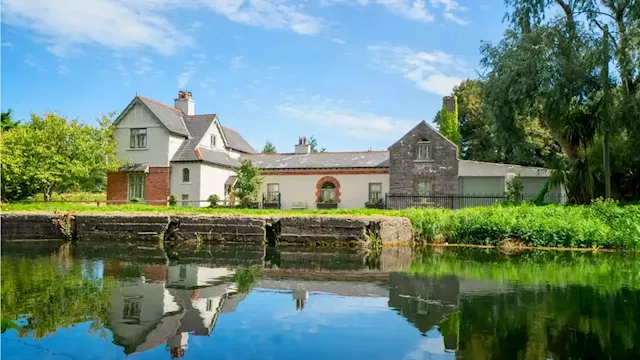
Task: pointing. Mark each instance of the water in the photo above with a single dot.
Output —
(112, 302)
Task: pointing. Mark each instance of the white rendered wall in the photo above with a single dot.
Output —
(212, 181)
(192, 188)
(157, 151)
(174, 144)
(354, 189)
(206, 139)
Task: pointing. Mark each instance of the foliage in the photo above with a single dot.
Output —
(47, 296)
(213, 200)
(74, 196)
(448, 122)
(269, 148)
(173, 200)
(515, 188)
(601, 224)
(247, 278)
(314, 145)
(247, 186)
(7, 121)
(51, 153)
(135, 200)
(541, 195)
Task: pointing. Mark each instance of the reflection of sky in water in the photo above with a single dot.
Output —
(265, 325)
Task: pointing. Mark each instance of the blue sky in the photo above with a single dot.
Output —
(355, 73)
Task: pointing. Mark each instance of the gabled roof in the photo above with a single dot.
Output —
(326, 160)
(237, 142)
(190, 151)
(428, 127)
(170, 117)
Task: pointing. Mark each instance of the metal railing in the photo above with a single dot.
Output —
(455, 201)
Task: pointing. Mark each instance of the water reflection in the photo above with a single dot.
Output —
(266, 303)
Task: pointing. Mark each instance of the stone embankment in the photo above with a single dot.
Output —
(299, 230)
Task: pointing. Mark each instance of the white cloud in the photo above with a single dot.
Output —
(196, 24)
(409, 9)
(7, 44)
(434, 72)
(190, 68)
(353, 123)
(63, 69)
(450, 7)
(114, 24)
(32, 63)
(236, 63)
(337, 41)
(456, 19)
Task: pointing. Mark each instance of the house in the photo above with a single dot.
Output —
(171, 150)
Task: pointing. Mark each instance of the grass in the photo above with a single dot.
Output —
(75, 196)
(599, 225)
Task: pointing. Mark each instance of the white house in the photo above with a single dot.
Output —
(173, 151)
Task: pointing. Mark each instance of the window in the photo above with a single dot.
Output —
(424, 188)
(185, 175)
(138, 139)
(132, 308)
(375, 192)
(185, 199)
(209, 304)
(136, 186)
(272, 192)
(328, 193)
(424, 150)
(183, 272)
(213, 140)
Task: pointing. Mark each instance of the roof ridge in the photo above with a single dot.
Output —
(199, 115)
(159, 103)
(494, 163)
(326, 152)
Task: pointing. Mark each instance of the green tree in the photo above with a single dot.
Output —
(269, 148)
(448, 121)
(7, 121)
(51, 153)
(314, 145)
(247, 186)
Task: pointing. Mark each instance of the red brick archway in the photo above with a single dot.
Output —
(328, 179)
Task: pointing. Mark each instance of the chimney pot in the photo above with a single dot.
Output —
(185, 103)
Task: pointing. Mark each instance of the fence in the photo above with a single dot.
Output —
(454, 201)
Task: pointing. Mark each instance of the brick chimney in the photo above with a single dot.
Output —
(303, 147)
(185, 103)
(449, 103)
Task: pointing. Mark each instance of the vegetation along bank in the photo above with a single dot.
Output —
(602, 224)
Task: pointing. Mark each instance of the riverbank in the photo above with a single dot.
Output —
(599, 225)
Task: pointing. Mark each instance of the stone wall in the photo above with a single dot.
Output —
(405, 171)
(120, 227)
(30, 226)
(221, 228)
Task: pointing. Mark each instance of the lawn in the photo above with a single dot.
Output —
(599, 225)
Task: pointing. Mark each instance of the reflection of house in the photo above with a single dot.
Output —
(148, 310)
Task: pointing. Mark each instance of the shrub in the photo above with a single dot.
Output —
(213, 200)
(134, 200)
(515, 187)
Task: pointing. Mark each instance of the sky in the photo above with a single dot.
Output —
(356, 74)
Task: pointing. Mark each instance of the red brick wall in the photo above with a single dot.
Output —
(332, 180)
(117, 183)
(158, 184)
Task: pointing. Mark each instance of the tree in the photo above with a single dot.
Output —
(314, 145)
(447, 120)
(7, 121)
(51, 153)
(269, 148)
(247, 185)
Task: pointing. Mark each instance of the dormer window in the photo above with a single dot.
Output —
(424, 150)
(213, 141)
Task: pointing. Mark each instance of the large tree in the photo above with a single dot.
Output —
(7, 121)
(269, 148)
(314, 145)
(51, 153)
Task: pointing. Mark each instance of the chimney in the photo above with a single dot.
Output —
(185, 103)
(303, 147)
(449, 103)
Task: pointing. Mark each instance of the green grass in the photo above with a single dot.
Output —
(599, 225)
(75, 196)
(609, 271)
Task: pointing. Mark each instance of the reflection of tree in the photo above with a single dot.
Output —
(247, 278)
(51, 295)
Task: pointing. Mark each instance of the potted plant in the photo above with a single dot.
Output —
(377, 204)
(327, 204)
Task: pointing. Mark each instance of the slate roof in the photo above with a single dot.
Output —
(327, 160)
(170, 117)
(198, 126)
(480, 168)
(237, 142)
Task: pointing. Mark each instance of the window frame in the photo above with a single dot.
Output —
(132, 308)
(429, 187)
(186, 171)
(379, 196)
(137, 180)
(212, 141)
(331, 190)
(427, 145)
(136, 137)
(184, 200)
(272, 196)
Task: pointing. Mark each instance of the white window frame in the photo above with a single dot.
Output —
(429, 186)
(378, 194)
(138, 138)
(426, 153)
(272, 195)
(212, 140)
(188, 172)
(137, 186)
(185, 200)
(328, 194)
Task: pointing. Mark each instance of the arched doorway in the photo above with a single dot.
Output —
(328, 190)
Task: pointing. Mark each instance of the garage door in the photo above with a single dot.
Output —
(481, 185)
